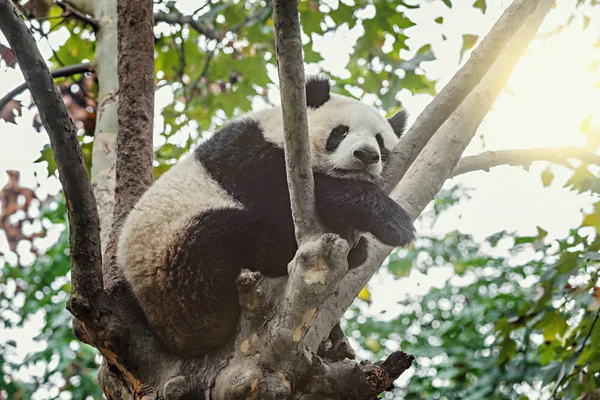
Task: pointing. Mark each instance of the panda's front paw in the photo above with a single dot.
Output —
(397, 230)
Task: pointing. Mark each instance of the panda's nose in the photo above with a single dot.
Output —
(367, 156)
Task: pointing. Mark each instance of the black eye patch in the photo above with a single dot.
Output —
(385, 153)
(336, 136)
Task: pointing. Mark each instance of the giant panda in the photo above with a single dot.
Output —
(226, 207)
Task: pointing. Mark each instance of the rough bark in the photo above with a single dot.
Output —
(284, 320)
(461, 84)
(84, 227)
(135, 115)
(290, 65)
(57, 73)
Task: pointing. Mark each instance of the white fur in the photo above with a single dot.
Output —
(161, 213)
(187, 189)
(364, 122)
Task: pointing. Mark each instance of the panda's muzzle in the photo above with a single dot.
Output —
(366, 156)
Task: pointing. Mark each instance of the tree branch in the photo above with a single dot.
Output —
(134, 170)
(348, 380)
(57, 73)
(104, 150)
(522, 157)
(290, 65)
(84, 226)
(456, 133)
(434, 165)
(83, 6)
(202, 27)
(461, 84)
(69, 10)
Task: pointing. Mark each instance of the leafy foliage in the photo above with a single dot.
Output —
(501, 326)
(512, 325)
(64, 365)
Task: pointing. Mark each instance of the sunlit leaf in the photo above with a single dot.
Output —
(468, 41)
(480, 4)
(547, 176)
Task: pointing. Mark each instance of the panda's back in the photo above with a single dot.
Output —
(161, 214)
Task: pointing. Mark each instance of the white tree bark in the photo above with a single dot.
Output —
(104, 156)
(524, 158)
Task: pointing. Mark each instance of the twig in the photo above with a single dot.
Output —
(57, 73)
(203, 73)
(523, 157)
(202, 7)
(71, 11)
(84, 225)
(290, 65)
(83, 6)
(177, 18)
(254, 17)
(461, 84)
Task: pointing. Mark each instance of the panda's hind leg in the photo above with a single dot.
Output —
(198, 309)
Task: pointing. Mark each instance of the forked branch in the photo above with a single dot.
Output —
(461, 84)
(436, 162)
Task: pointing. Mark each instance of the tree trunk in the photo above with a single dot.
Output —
(287, 345)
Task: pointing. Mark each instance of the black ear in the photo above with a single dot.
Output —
(398, 122)
(317, 91)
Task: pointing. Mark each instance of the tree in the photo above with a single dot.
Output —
(104, 316)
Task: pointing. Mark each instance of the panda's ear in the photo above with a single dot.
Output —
(317, 91)
(398, 122)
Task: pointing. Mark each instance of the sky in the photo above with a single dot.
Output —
(550, 93)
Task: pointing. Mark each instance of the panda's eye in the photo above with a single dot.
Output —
(340, 130)
(336, 136)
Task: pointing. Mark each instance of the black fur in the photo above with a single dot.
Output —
(398, 122)
(219, 243)
(385, 153)
(260, 183)
(335, 137)
(318, 91)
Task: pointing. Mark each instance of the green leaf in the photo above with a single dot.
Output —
(448, 3)
(568, 261)
(547, 354)
(547, 176)
(554, 326)
(311, 56)
(460, 268)
(468, 41)
(507, 351)
(48, 156)
(417, 84)
(480, 4)
(439, 20)
(401, 268)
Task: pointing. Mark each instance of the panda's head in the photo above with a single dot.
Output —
(348, 138)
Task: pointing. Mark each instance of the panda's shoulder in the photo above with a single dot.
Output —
(270, 123)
